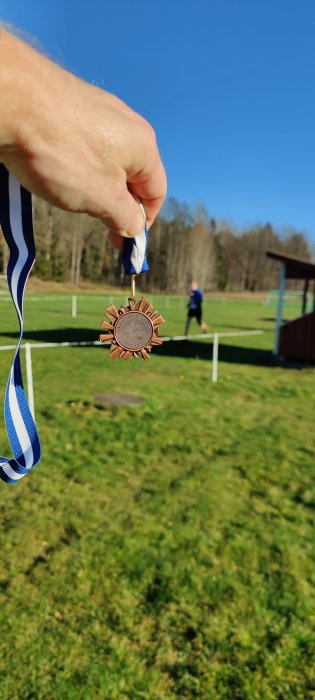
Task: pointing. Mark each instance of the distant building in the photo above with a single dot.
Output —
(295, 340)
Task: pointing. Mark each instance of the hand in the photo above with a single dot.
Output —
(75, 145)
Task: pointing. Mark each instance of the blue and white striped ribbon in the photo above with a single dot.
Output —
(17, 227)
(134, 251)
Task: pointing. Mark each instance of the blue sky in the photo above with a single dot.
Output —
(229, 86)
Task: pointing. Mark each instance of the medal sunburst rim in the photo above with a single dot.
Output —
(118, 352)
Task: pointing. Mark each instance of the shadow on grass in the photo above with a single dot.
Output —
(272, 319)
(227, 353)
(56, 335)
(190, 349)
(231, 327)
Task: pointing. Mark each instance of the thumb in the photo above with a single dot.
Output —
(127, 217)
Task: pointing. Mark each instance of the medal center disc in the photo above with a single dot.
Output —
(133, 330)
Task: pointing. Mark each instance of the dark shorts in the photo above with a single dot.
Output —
(195, 313)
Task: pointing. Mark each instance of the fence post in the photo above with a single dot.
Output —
(280, 307)
(29, 376)
(215, 352)
(74, 307)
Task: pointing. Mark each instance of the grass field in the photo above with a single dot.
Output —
(164, 551)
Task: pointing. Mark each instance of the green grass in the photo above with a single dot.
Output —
(165, 551)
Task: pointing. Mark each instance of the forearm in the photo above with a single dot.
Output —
(9, 109)
(27, 78)
(17, 73)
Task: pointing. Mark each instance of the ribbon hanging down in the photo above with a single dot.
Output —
(17, 227)
(134, 250)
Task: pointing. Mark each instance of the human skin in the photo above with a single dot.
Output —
(75, 145)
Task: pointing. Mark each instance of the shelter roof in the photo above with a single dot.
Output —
(295, 268)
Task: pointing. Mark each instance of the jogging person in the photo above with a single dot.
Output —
(194, 308)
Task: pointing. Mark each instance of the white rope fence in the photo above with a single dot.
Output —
(174, 302)
(28, 347)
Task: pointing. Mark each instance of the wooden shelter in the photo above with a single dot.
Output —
(295, 340)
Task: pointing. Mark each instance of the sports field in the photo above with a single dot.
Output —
(163, 551)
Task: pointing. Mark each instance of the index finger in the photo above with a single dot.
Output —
(151, 191)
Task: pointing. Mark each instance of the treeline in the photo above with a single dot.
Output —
(183, 245)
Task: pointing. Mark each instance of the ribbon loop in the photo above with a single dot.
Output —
(134, 251)
(17, 226)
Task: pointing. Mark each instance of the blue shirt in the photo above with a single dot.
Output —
(195, 299)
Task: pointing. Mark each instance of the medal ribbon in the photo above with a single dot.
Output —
(134, 251)
(17, 227)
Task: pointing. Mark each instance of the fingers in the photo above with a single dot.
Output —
(143, 178)
(116, 238)
(125, 218)
(128, 221)
(151, 191)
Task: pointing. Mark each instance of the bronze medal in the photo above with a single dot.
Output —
(133, 330)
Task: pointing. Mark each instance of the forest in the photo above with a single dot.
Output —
(184, 244)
